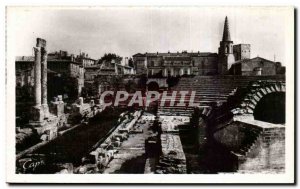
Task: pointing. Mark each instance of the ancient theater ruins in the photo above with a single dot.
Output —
(75, 114)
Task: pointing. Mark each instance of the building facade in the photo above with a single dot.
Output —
(204, 63)
(241, 51)
(85, 60)
(176, 64)
(117, 66)
(256, 66)
(59, 64)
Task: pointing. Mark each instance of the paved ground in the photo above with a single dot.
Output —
(131, 156)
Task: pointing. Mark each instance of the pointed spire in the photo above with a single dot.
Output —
(226, 32)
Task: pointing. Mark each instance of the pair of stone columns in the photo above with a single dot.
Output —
(41, 109)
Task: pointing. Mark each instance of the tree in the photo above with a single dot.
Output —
(130, 63)
(109, 57)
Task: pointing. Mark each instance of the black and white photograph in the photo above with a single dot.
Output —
(150, 94)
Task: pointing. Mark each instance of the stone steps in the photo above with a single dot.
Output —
(211, 89)
(250, 145)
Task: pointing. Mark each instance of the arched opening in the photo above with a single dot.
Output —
(153, 86)
(271, 108)
(227, 49)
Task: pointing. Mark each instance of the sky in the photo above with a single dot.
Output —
(130, 30)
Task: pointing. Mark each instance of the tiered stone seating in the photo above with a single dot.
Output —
(209, 90)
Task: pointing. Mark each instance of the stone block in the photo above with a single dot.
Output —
(37, 114)
(55, 99)
(268, 90)
(92, 103)
(80, 101)
(57, 108)
(60, 98)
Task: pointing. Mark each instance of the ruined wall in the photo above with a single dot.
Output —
(172, 159)
(234, 135)
(255, 148)
(24, 72)
(268, 154)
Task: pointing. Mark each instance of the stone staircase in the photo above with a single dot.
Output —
(210, 91)
(249, 145)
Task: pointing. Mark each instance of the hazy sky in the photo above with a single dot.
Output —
(127, 31)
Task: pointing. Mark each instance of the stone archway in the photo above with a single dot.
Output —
(162, 82)
(271, 108)
(264, 99)
(153, 86)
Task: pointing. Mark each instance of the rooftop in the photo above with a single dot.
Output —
(176, 54)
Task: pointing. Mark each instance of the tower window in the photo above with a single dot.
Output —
(227, 49)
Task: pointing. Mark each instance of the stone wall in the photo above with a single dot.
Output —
(241, 51)
(172, 159)
(140, 64)
(235, 135)
(257, 146)
(205, 65)
(268, 154)
(268, 67)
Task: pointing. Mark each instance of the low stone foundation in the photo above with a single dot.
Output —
(172, 159)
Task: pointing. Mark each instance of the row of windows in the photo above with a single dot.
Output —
(152, 63)
(202, 64)
(23, 66)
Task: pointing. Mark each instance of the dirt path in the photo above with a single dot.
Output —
(131, 156)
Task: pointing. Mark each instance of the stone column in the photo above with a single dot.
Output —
(165, 72)
(37, 113)
(44, 76)
(181, 71)
(37, 76)
(44, 82)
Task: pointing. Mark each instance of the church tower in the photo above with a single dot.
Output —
(226, 57)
